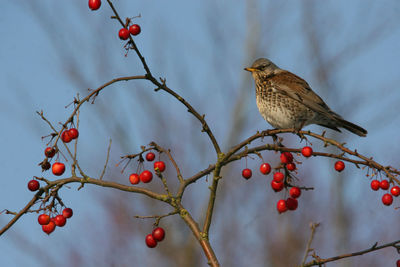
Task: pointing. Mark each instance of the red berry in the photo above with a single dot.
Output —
(65, 137)
(60, 220)
(150, 156)
(375, 185)
(339, 166)
(286, 157)
(291, 203)
(277, 186)
(33, 185)
(73, 133)
(387, 199)
(58, 168)
(246, 173)
(294, 192)
(49, 228)
(384, 184)
(307, 151)
(67, 213)
(278, 177)
(158, 234)
(43, 219)
(265, 168)
(291, 166)
(150, 241)
(160, 165)
(49, 152)
(94, 4)
(281, 206)
(134, 178)
(146, 176)
(123, 34)
(395, 191)
(134, 29)
(398, 263)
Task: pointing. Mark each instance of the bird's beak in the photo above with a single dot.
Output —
(250, 69)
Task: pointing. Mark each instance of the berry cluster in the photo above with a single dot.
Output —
(49, 223)
(146, 176)
(387, 199)
(157, 235)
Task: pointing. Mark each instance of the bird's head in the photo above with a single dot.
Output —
(262, 65)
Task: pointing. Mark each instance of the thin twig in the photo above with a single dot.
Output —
(313, 227)
(106, 163)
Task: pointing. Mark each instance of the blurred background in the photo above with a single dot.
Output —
(52, 50)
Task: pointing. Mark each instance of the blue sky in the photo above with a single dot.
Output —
(52, 51)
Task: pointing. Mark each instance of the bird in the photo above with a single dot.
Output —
(287, 101)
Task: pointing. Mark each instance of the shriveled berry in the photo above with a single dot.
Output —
(277, 186)
(134, 29)
(294, 192)
(339, 166)
(286, 157)
(387, 199)
(306, 151)
(281, 206)
(150, 241)
(375, 185)
(291, 166)
(265, 168)
(49, 152)
(33, 185)
(278, 177)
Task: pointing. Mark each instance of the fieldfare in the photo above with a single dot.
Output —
(286, 101)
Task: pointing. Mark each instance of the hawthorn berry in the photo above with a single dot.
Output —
(395, 191)
(73, 133)
(60, 220)
(65, 137)
(94, 4)
(58, 168)
(146, 176)
(398, 263)
(134, 178)
(306, 151)
(134, 29)
(277, 186)
(375, 185)
(160, 165)
(384, 184)
(158, 234)
(150, 156)
(123, 34)
(387, 199)
(278, 177)
(286, 157)
(339, 166)
(49, 152)
(67, 213)
(294, 192)
(49, 228)
(150, 241)
(281, 206)
(291, 166)
(292, 203)
(246, 173)
(43, 219)
(33, 185)
(265, 168)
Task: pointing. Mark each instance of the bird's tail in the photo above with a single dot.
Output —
(351, 127)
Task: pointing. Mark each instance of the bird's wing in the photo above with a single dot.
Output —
(295, 87)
